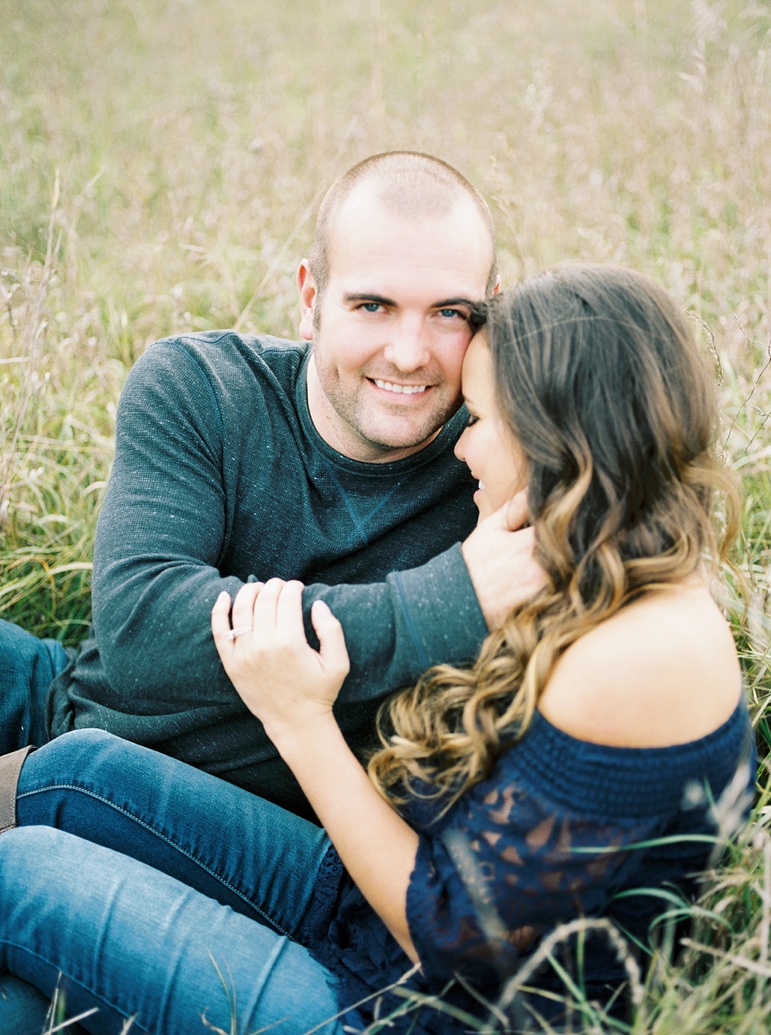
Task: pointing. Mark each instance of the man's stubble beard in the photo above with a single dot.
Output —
(347, 409)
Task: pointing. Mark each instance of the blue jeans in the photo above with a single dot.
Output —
(27, 666)
(218, 933)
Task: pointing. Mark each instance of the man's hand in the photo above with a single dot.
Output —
(499, 555)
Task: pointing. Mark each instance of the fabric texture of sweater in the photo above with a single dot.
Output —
(219, 473)
(560, 828)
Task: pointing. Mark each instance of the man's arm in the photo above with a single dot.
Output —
(397, 629)
(440, 612)
(164, 528)
(159, 537)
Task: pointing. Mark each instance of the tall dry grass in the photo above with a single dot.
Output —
(159, 169)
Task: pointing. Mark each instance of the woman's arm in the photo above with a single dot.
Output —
(375, 844)
(291, 688)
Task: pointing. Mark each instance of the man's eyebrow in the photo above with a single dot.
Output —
(449, 303)
(367, 296)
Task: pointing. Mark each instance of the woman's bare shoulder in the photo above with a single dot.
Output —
(663, 670)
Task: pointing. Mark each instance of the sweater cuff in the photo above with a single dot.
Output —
(440, 609)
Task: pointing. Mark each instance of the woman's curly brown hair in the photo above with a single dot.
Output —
(600, 379)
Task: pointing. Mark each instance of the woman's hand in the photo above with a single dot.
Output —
(291, 688)
(281, 679)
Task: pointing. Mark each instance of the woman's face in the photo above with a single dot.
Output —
(487, 446)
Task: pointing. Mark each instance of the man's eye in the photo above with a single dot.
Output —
(471, 420)
(449, 314)
(370, 307)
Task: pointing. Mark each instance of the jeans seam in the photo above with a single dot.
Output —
(147, 826)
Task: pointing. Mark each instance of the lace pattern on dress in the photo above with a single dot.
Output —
(506, 868)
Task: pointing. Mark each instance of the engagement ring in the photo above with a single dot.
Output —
(238, 632)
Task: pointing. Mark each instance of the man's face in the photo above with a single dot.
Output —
(391, 327)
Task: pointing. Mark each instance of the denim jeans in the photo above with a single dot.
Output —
(165, 894)
(27, 666)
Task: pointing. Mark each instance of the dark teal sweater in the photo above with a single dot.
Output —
(219, 473)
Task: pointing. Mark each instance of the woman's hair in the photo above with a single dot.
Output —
(600, 380)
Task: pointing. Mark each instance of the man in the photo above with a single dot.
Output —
(241, 456)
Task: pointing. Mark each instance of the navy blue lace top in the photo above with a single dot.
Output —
(560, 828)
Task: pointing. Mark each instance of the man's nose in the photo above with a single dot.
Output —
(408, 348)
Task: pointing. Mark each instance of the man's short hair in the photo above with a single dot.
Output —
(410, 184)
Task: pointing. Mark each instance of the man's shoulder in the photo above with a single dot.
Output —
(211, 371)
(220, 361)
(223, 346)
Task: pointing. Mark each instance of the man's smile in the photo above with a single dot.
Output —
(400, 389)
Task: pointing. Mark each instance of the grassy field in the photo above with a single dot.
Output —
(160, 166)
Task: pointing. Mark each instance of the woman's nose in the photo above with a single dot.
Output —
(460, 451)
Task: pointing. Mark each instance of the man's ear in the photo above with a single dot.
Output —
(497, 286)
(306, 285)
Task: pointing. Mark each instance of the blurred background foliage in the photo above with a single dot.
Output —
(161, 162)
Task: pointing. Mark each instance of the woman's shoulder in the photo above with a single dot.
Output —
(661, 671)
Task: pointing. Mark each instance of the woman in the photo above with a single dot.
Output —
(575, 761)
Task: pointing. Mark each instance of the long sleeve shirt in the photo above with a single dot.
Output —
(219, 474)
